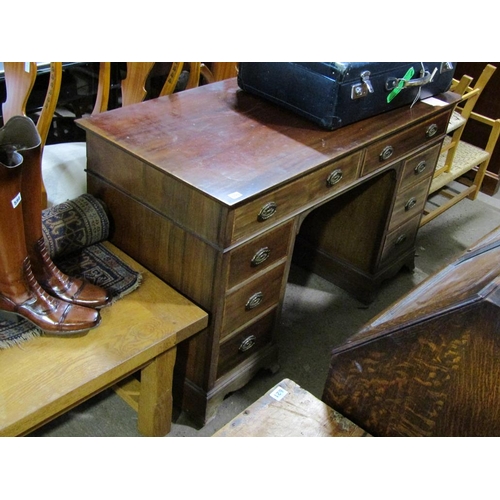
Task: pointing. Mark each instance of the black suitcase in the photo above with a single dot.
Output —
(334, 94)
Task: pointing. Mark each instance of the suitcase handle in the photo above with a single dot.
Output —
(392, 83)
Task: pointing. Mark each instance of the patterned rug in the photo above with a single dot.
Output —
(74, 232)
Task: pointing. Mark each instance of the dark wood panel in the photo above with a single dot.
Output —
(351, 227)
(428, 365)
(248, 260)
(245, 343)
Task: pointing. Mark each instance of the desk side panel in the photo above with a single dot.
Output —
(156, 189)
(176, 256)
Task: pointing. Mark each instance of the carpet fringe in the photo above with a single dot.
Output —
(129, 290)
(20, 339)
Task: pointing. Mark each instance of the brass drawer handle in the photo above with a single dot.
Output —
(401, 239)
(420, 167)
(431, 130)
(248, 343)
(267, 211)
(410, 204)
(254, 301)
(260, 256)
(334, 178)
(386, 153)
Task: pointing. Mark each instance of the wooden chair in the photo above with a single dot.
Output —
(458, 157)
(133, 86)
(63, 164)
(216, 71)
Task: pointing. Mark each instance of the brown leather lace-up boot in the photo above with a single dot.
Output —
(20, 292)
(52, 279)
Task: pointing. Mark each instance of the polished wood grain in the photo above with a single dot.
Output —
(49, 375)
(199, 182)
(223, 140)
(234, 349)
(252, 298)
(428, 365)
(178, 257)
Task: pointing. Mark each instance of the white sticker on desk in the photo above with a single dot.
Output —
(279, 393)
(432, 101)
(16, 200)
(235, 195)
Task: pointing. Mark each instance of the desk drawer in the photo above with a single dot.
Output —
(400, 240)
(245, 343)
(298, 195)
(258, 254)
(419, 166)
(252, 299)
(397, 145)
(409, 203)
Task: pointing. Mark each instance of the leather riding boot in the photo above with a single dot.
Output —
(52, 279)
(20, 292)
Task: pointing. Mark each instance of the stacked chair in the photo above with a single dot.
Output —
(63, 164)
(460, 160)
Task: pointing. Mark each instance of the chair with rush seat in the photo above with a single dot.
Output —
(460, 160)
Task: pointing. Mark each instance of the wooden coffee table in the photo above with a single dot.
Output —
(47, 376)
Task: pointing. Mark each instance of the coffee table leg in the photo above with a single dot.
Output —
(155, 399)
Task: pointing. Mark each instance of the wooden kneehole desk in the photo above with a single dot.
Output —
(217, 192)
(47, 376)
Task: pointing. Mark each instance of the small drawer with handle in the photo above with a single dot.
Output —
(295, 196)
(400, 240)
(409, 203)
(245, 303)
(258, 254)
(419, 166)
(243, 344)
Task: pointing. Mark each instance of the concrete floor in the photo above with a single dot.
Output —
(316, 317)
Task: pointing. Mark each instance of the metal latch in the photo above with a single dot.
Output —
(363, 88)
(446, 66)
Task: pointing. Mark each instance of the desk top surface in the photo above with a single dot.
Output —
(222, 140)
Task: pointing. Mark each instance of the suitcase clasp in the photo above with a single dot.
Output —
(364, 88)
